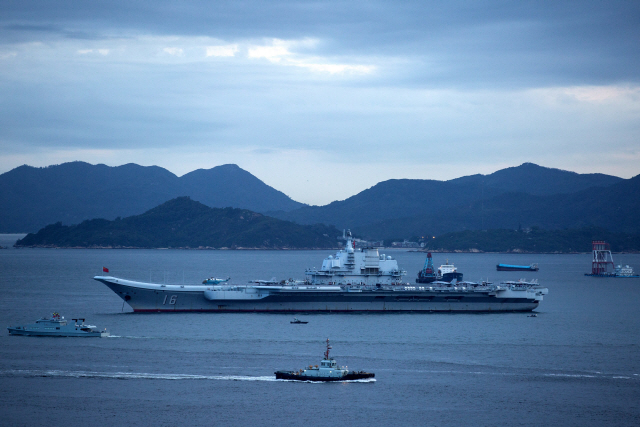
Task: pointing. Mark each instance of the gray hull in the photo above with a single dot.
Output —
(36, 333)
(173, 298)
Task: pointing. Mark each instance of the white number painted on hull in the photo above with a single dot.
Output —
(172, 300)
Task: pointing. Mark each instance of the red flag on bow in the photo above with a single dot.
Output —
(105, 269)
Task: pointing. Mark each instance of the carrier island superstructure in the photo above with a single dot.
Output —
(352, 280)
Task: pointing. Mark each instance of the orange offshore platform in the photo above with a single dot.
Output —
(602, 264)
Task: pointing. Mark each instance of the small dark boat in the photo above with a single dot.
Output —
(298, 322)
(510, 267)
(328, 371)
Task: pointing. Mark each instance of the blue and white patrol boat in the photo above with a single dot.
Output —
(327, 371)
(57, 326)
(361, 280)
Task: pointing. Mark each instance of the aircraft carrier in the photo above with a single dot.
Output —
(352, 280)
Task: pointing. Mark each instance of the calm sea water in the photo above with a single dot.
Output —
(577, 363)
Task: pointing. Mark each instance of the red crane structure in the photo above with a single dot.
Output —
(602, 263)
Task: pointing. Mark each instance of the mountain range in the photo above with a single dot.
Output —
(73, 192)
(523, 196)
(615, 207)
(516, 197)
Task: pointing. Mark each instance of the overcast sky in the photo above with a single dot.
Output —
(322, 100)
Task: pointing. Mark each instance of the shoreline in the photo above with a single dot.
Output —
(208, 248)
(186, 248)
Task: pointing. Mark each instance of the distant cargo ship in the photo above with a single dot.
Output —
(510, 267)
(349, 281)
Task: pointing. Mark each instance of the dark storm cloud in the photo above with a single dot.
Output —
(16, 33)
(312, 88)
(461, 43)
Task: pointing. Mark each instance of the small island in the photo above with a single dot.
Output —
(187, 224)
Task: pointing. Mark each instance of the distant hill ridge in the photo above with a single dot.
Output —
(72, 192)
(615, 208)
(185, 223)
(538, 180)
(528, 195)
(522, 196)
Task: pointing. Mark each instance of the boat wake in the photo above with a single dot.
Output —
(29, 373)
(54, 373)
(364, 380)
(605, 376)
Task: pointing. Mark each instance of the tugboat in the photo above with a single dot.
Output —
(328, 371)
(57, 326)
